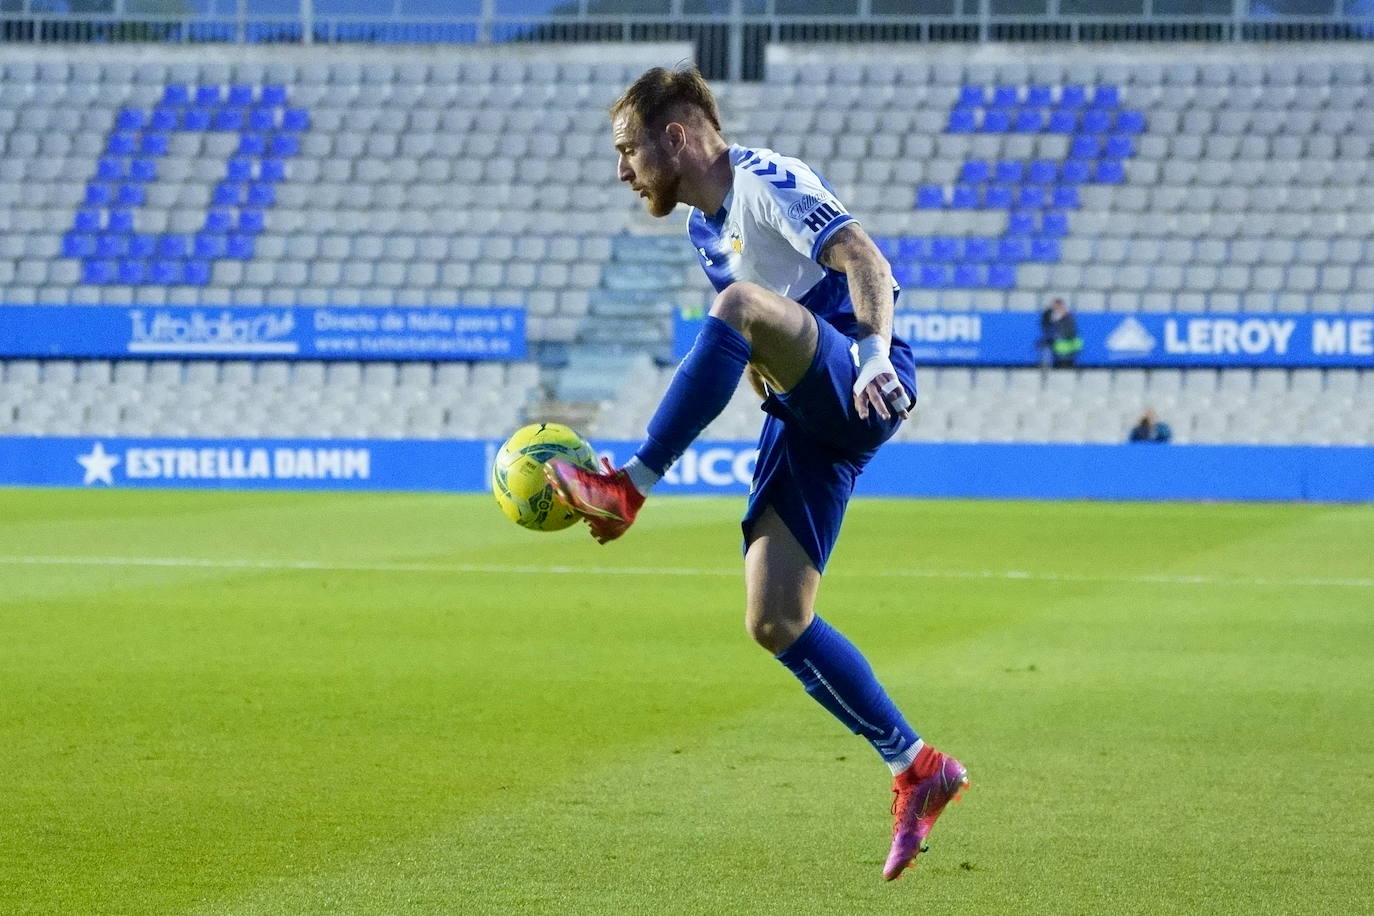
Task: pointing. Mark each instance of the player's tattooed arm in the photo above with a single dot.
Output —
(877, 388)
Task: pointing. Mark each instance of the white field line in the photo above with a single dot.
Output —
(500, 569)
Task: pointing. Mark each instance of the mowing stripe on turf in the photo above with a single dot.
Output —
(518, 569)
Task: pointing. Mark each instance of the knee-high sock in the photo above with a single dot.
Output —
(838, 677)
(701, 387)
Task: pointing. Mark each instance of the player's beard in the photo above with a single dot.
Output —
(660, 193)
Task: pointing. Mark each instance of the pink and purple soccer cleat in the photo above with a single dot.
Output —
(608, 501)
(922, 790)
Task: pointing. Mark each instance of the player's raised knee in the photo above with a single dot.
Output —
(742, 305)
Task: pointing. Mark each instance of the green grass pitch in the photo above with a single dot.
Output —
(388, 703)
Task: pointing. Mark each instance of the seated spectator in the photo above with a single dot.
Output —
(1151, 429)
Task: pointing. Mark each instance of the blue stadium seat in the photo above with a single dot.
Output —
(142, 246)
(998, 196)
(228, 194)
(166, 273)
(274, 94)
(263, 119)
(1085, 146)
(252, 145)
(78, 245)
(1076, 171)
(964, 197)
(164, 118)
(272, 169)
(971, 96)
(98, 272)
(239, 247)
(208, 95)
(1096, 121)
(1021, 222)
(1013, 248)
(129, 119)
(1130, 121)
(110, 168)
(143, 168)
(1044, 248)
(108, 246)
(123, 143)
(219, 220)
(1110, 171)
(87, 221)
(1005, 96)
(1119, 146)
(1073, 96)
(1106, 97)
(129, 195)
(153, 144)
(906, 273)
(131, 271)
(975, 171)
(173, 247)
(1043, 171)
(1031, 196)
(1063, 120)
(962, 120)
(121, 220)
(261, 194)
(239, 168)
(944, 248)
(284, 145)
(208, 245)
(228, 119)
(1054, 222)
(240, 95)
(933, 276)
(1010, 171)
(1030, 120)
(197, 273)
(1065, 197)
(1039, 96)
(887, 246)
(1002, 276)
(977, 249)
(967, 276)
(912, 248)
(98, 194)
(295, 119)
(176, 94)
(197, 118)
(251, 221)
(930, 197)
(996, 121)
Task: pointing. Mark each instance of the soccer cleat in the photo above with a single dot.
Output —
(608, 501)
(919, 802)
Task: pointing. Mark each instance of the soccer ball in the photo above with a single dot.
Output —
(517, 476)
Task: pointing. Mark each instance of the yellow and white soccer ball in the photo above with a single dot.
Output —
(517, 475)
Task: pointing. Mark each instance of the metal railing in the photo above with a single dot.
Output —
(729, 34)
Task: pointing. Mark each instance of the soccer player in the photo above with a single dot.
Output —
(804, 307)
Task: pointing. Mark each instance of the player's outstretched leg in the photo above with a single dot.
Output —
(608, 501)
(921, 792)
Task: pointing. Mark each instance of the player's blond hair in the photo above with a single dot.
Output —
(659, 94)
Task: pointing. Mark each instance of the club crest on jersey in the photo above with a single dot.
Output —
(736, 240)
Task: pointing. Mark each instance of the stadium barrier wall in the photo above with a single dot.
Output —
(939, 470)
(1137, 340)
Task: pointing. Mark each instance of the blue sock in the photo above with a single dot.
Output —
(700, 389)
(838, 677)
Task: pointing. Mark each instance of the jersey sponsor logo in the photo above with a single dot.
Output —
(821, 216)
(802, 206)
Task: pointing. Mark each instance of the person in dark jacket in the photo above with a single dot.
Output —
(1151, 429)
(1059, 341)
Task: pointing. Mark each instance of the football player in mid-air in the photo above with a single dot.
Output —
(804, 307)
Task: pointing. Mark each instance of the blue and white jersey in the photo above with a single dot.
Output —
(774, 223)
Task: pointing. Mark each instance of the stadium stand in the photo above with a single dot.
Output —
(1152, 179)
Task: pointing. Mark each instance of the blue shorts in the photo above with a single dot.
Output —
(813, 445)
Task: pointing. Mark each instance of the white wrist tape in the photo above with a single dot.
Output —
(873, 345)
